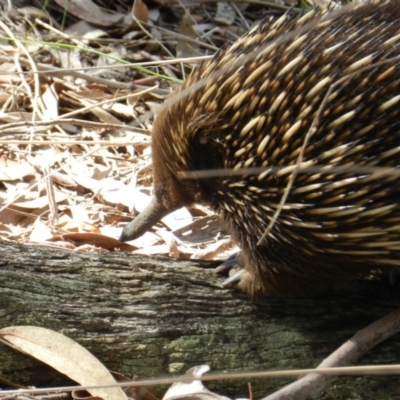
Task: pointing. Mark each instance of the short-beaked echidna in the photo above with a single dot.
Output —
(320, 91)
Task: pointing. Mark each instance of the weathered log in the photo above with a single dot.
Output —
(152, 317)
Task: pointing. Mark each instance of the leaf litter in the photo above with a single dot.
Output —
(75, 156)
(76, 117)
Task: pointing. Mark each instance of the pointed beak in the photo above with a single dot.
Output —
(145, 220)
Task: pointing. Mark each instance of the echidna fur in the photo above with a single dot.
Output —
(254, 107)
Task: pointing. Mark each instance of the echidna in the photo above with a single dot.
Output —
(321, 91)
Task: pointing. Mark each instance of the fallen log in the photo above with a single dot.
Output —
(152, 317)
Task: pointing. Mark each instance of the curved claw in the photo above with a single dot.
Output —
(227, 265)
(233, 262)
(234, 279)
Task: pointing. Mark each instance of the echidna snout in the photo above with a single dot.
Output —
(144, 221)
(170, 193)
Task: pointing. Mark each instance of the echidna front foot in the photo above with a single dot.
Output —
(231, 265)
(242, 279)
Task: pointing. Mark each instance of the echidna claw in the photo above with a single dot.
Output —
(232, 265)
(234, 279)
(227, 265)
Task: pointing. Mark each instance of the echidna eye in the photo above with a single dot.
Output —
(203, 139)
(160, 191)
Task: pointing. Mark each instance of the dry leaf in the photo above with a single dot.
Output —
(7, 72)
(41, 202)
(144, 243)
(65, 355)
(94, 239)
(84, 30)
(178, 219)
(83, 395)
(113, 192)
(88, 11)
(49, 103)
(225, 14)
(185, 48)
(40, 232)
(153, 250)
(9, 219)
(140, 11)
(11, 170)
(17, 116)
(195, 389)
(68, 224)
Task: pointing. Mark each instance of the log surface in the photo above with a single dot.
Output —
(151, 317)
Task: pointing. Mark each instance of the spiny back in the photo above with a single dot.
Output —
(253, 104)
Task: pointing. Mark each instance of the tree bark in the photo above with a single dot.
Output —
(151, 317)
